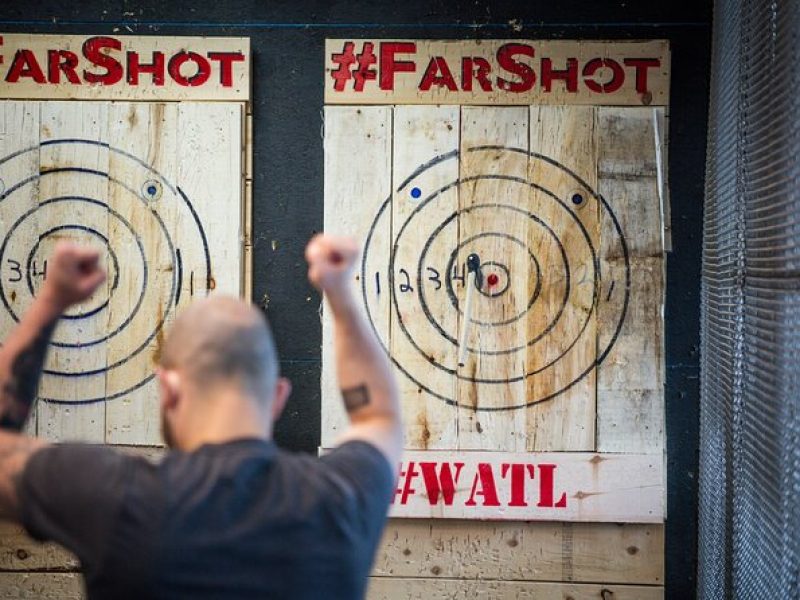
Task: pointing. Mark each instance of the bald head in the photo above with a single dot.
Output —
(222, 340)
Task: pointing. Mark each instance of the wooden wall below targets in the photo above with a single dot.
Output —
(158, 188)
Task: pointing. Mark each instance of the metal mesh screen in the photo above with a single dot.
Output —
(749, 542)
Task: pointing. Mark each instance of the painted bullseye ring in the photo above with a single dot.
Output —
(111, 253)
(421, 372)
(126, 191)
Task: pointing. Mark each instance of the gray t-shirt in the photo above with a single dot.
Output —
(242, 519)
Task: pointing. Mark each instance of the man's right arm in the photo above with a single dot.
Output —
(363, 370)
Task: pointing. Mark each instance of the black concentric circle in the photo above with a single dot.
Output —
(138, 189)
(591, 270)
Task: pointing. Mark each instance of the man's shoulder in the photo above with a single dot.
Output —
(89, 459)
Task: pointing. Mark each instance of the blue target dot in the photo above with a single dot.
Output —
(152, 190)
(416, 192)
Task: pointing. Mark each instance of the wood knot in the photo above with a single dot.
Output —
(406, 552)
(436, 570)
(513, 542)
(632, 550)
(22, 554)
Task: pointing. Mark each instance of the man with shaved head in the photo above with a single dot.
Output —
(225, 514)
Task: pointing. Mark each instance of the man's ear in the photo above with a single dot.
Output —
(169, 388)
(283, 388)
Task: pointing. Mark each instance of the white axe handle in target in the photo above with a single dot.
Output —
(472, 273)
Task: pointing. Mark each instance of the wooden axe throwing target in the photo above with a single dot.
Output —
(148, 279)
(158, 189)
(540, 278)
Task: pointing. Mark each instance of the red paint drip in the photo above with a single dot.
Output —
(492, 279)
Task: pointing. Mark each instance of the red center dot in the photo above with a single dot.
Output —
(492, 279)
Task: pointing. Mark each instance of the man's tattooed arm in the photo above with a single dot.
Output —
(355, 397)
(21, 384)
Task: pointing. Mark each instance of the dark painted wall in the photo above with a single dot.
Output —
(287, 40)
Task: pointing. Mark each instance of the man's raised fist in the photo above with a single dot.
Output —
(330, 261)
(73, 274)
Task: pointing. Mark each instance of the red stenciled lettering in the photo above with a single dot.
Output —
(610, 86)
(518, 474)
(344, 59)
(506, 59)
(438, 73)
(568, 75)
(62, 61)
(24, 64)
(546, 478)
(1, 43)
(488, 489)
(180, 59)
(408, 475)
(226, 60)
(443, 482)
(390, 66)
(641, 65)
(155, 68)
(478, 68)
(93, 51)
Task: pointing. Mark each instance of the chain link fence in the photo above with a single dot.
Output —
(750, 423)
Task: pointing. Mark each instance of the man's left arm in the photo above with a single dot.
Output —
(73, 275)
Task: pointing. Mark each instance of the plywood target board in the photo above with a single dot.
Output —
(156, 188)
(561, 206)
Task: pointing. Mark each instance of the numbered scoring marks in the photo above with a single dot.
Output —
(546, 309)
(35, 267)
(155, 255)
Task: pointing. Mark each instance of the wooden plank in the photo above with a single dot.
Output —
(247, 256)
(247, 212)
(358, 180)
(86, 164)
(43, 586)
(556, 72)
(555, 486)
(20, 131)
(631, 378)
(421, 135)
(661, 130)
(481, 229)
(390, 588)
(627, 177)
(186, 70)
(524, 551)
(210, 169)
(150, 133)
(19, 552)
(563, 357)
(630, 392)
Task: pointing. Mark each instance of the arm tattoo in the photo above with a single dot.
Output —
(19, 391)
(355, 398)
